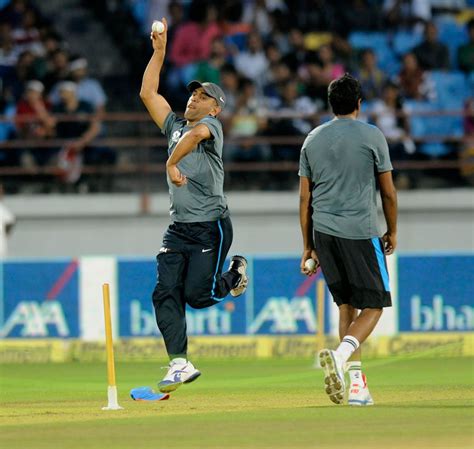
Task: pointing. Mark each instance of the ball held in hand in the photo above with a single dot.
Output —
(310, 265)
(158, 27)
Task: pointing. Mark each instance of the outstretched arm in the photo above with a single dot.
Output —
(390, 210)
(156, 104)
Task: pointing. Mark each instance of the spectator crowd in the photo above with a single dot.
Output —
(274, 60)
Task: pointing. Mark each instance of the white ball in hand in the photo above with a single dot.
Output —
(310, 265)
(158, 27)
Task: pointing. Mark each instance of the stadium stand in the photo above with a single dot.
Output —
(315, 49)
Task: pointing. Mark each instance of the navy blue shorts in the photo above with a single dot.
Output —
(355, 270)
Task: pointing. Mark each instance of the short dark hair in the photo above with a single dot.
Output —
(344, 94)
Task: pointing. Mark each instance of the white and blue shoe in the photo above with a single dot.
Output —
(180, 371)
(359, 394)
(333, 375)
(239, 264)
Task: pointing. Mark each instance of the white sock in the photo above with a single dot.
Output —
(347, 346)
(355, 371)
(178, 361)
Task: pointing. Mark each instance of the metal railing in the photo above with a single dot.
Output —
(145, 138)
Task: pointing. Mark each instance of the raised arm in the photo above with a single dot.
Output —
(390, 210)
(157, 106)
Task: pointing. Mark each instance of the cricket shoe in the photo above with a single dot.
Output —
(239, 264)
(333, 375)
(359, 393)
(180, 371)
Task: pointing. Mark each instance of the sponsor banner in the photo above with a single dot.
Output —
(284, 300)
(436, 293)
(136, 281)
(232, 347)
(40, 299)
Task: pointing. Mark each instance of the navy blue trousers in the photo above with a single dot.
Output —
(189, 269)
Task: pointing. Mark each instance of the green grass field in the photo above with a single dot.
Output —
(420, 403)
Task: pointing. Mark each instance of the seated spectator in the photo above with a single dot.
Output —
(413, 81)
(293, 119)
(273, 53)
(431, 53)
(330, 70)
(230, 85)
(27, 35)
(389, 115)
(50, 42)
(358, 15)
(193, 39)
(247, 121)
(252, 63)
(81, 133)
(34, 122)
(257, 14)
(13, 12)
(58, 69)
(278, 75)
(8, 51)
(466, 51)
(88, 89)
(175, 18)
(371, 78)
(297, 54)
(191, 43)
(318, 75)
(405, 13)
(210, 70)
(319, 15)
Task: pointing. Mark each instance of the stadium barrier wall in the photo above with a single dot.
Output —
(51, 310)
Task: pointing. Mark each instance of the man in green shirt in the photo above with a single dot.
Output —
(340, 163)
(195, 245)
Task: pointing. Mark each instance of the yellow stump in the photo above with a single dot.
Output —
(109, 344)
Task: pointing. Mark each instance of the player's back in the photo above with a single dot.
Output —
(342, 157)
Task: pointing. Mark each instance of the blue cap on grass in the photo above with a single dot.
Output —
(147, 394)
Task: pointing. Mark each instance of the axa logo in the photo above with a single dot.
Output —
(284, 315)
(437, 315)
(37, 319)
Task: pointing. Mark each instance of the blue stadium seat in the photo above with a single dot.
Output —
(434, 149)
(387, 60)
(404, 41)
(452, 88)
(470, 83)
(453, 35)
(238, 39)
(435, 125)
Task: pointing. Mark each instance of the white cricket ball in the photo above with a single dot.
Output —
(310, 265)
(158, 27)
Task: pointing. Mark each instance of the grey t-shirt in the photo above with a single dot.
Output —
(202, 198)
(342, 158)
